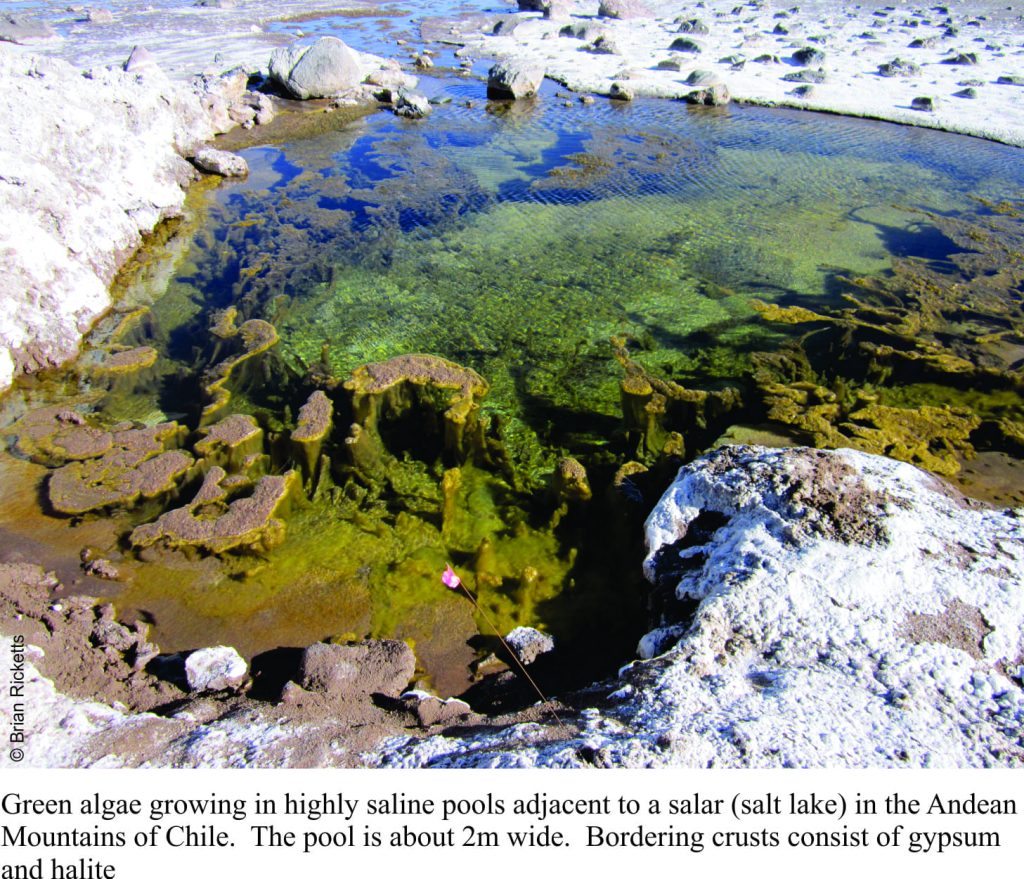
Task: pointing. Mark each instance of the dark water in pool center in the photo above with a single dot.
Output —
(516, 240)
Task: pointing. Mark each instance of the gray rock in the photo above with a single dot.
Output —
(528, 644)
(411, 105)
(924, 104)
(809, 55)
(702, 77)
(215, 668)
(673, 62)
(603, 45)
(624, 9)
(899, 67)
(431, 711)
(326, 68)
(715, 95)
(692, 26)
(352, 672)
(514, 79)
(813, 76)
(621, 92)
(140, 59)
(1010, 80)
(99, 16)
(21, 29)
(215, 161)
(685, 44)
(966, 59)
(969, 92)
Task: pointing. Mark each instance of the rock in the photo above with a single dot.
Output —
(412, 105)
(217, 4)
(813, 76)
(621, 92)
(514, 79)
(140, 59)
(351, 672)
(925, 104)
(214, 161)
(99, 16)
(215, 669)
(431, 711)
(702, 77)
(970, 93)
(685, 44)
(714, 95)
(692, 26)
(809, 55)
(325, 68)
(24, 31)
(603, 45)
(87, 176)
(962, 58)
(1010, 80)
(558, 10)
(102, 568)
(624, 9)
(803, 91)
(528, 644)
(898, 67)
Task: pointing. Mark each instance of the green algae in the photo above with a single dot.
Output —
(493, 356)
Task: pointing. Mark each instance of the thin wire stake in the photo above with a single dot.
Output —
(454, 581)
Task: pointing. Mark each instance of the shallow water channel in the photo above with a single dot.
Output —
(517, 241)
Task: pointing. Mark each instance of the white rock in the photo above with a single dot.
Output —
(326, 68)
(215, 668)
(215, 161)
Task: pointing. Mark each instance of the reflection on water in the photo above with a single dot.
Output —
(518, 241)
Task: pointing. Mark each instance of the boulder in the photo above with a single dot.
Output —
(624, 9)
(514, 79)
(21, 29)
(353, 672)
(214, 669)
(325, 68)
(214, 161)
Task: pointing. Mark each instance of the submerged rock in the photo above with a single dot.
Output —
(321, 70)
(835, 609)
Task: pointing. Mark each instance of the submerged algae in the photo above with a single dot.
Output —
(489, 247)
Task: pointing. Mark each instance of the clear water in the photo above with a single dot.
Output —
(516, 240)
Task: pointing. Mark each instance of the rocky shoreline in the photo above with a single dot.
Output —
(823, 608)
(829, 609)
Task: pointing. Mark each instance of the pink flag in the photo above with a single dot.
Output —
(450, 578)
